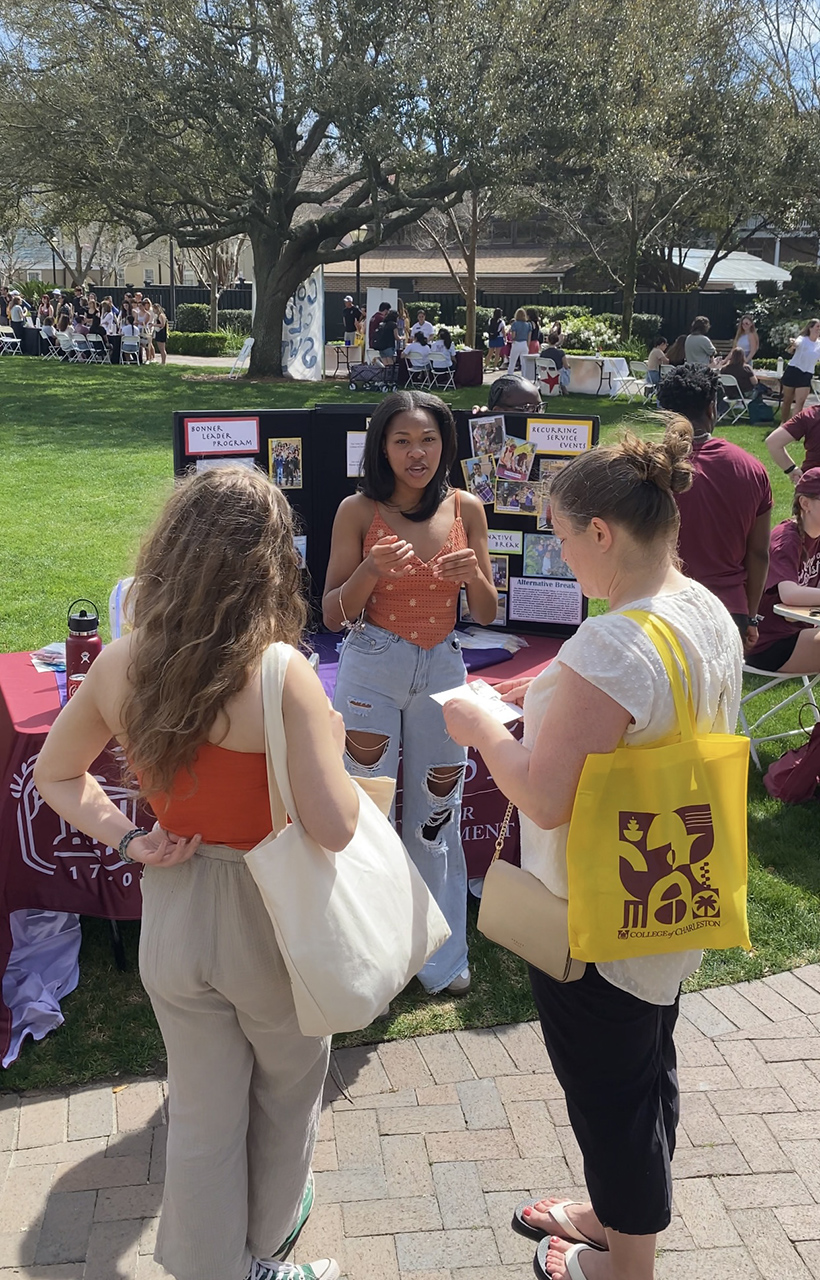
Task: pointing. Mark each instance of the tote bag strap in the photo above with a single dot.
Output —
(674, 661)
(274, 668)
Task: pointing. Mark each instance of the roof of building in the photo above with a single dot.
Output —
(739, 270)
(398, 260)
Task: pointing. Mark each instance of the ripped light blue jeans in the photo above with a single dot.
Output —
(382, 688)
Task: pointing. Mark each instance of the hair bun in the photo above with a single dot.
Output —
(664, 463)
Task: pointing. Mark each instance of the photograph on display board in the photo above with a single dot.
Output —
(515, 459)
(479, 476)
(487, 435)
(542, 557)
(547, 468)
(464, 614)
(500, 566)
(516, 498)
(285, 462)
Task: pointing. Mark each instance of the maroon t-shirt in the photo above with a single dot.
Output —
(791, 559)
(729, 491)
(805, 426)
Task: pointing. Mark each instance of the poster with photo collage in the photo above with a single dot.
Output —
(512, 461)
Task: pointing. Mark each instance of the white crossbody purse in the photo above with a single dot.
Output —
(520, 913)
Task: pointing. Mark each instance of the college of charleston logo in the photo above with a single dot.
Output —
(664, 870)
(44, 843)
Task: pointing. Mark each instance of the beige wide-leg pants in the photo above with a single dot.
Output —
(245, 1086)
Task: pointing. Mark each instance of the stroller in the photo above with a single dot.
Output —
(376, 377)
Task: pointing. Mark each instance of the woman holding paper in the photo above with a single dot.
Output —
(610, 1034)
(401, 549)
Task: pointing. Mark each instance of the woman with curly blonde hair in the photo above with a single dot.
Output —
(216, 583)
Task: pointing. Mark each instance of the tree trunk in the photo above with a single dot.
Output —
(470, 263)
(214, 317)
(630, 284)
(278, 272)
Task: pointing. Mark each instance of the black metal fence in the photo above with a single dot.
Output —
(231, 299)
(676, 310)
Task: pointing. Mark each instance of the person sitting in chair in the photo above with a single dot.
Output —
(793, 579)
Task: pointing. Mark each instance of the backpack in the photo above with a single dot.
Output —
(795, 777)
(759, 411)
(384, 337)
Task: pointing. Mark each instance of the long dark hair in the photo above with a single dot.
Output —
(378, 480)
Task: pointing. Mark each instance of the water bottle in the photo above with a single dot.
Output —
(82, 644)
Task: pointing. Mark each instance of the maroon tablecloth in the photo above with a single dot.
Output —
(48, 864)
(44, 862)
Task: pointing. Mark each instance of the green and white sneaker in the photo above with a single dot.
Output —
(304, 1213)
(322, 1269)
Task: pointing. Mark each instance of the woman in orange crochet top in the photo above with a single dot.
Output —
(217, 581)
(402, 548)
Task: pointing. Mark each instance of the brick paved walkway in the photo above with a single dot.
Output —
(419, 1166)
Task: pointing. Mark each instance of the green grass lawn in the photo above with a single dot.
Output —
(86, 463)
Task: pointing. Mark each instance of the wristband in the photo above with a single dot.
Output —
(756, 620)
(788, 470)
(122, 847)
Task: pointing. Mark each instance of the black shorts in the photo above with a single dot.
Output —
(614, 1057)
(793, 377)
(775, 655)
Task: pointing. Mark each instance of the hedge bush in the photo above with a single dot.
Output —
(633, 352)
(238, 320)
(646, 326)
(193, 317)
(432, 311)
(197, 344)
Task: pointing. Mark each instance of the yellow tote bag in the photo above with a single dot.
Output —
(657, 846)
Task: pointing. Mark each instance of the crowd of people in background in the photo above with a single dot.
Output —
(62, 315)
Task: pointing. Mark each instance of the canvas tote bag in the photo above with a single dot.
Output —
(522, 915)
(657, 846)
(353, 927)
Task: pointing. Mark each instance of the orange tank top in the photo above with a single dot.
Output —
(417, 607)
(230, 805)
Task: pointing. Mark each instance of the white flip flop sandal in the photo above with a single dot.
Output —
(571, 1259)
(557, 1213)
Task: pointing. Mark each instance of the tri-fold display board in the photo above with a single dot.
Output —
(507, 460)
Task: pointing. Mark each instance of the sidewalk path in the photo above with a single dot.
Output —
(419, 1166)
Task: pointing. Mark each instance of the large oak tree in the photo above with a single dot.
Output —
(293, 122)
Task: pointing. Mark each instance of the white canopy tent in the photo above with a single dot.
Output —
(737, 270)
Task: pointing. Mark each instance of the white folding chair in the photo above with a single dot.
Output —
(418, 371)
(633, 387)
(99, 351)
(67, 351)
(82, 348)
(9, 343)
(48, 347)
(772, 679)
(736, 403)
(441, 372)
(547, 377)
(130, 347)
(120, 612)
